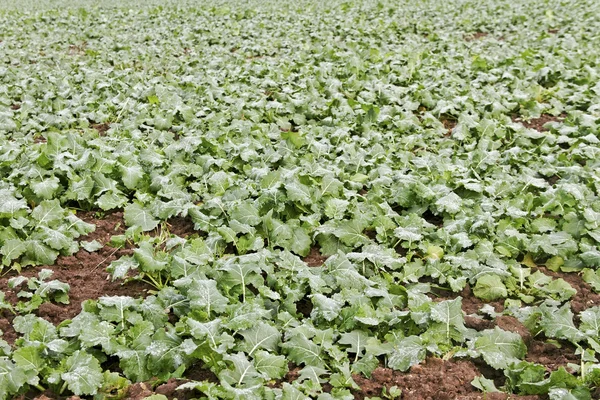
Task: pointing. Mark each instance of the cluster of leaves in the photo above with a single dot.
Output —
(39, 291)
(278, 129)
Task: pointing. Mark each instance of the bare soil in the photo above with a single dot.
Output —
(101, 128)
(476, 36)
(538, 123)
(449, 124)
(85, 273)
(435, 379)
(315, 258)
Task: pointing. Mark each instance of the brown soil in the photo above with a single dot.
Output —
(77, 49)
(551, 356)
(449, 124)
(181, 226)
(435, 379)
(538, 123)
(315, 258)
(512, 324)
(101, 128)
(476, 36)
(84, 272)
(437, 220)
(470, 303)
(585, 296)
(142, 390)
(552, 180)
(304, 307)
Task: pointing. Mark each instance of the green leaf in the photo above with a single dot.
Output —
(137, 215)
(133, 363)
(590, 276)
(98, 333)
(326, 307)
(351, 232)
(500, 348)
(449, 314)
(203, 293)
(12, 249)
(29, 359)
(83, 373)
(261, 336)
(269, 365)
(243, 372)
(490, 288)
(92, 246)
(336, 208)
(242, 274)
(302, 350)
(12, 378)
(484, 384)
(55, 239)
(46, 188)
(357, 340)
(10, 205)
(558, 323)
(131, 175)
(121, 267)
(590, 322)
(116, 308)
(407, 352)
(246, 214)
(450, 203)
(299, 192)
(48, 212)
(114, 387)
(39, 253)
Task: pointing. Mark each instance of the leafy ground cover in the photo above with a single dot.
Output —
(273, 200)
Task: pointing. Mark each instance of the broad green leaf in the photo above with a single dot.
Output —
(137, 215)
(243, 373)
(83, 373)
(500, 348)
(558, 323)
(303, 351)
(48, 212)
(116, 308)
(490, 288)
(91, 246)
(203, 293)
(407, 352)
(121, 267)
(12, 378)
(590, 322)
(449, 313)
(357, 340)
(246, 214)
(261, 336)
(12, 249)
(39, 253)
(592, 277)
(46, 188)
(29, 359)
(270, 365)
